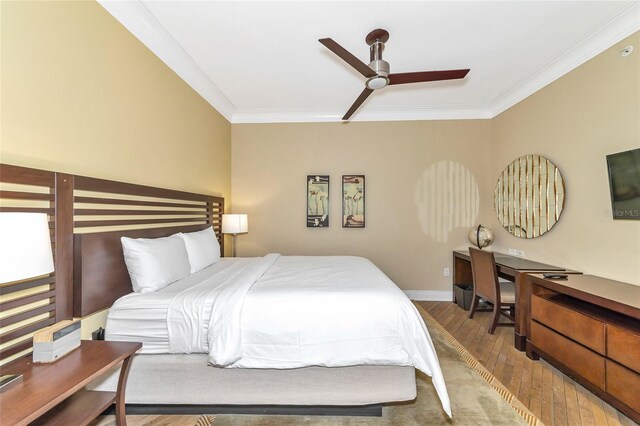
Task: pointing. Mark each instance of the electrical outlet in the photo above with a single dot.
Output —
(519, 253)
(447, 272)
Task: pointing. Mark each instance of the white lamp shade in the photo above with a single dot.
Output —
(25, 246)
(235, 224)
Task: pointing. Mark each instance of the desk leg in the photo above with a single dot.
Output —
(121, 418)
(522, 312)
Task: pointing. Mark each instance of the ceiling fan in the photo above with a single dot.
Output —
(377, 72)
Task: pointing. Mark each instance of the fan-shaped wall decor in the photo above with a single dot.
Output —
(529, 196)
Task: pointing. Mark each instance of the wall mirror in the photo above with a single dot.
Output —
(529, 196)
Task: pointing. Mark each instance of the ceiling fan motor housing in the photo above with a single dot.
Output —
(381, 80)
(380, 66)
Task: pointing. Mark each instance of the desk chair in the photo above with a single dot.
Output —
(486, 286)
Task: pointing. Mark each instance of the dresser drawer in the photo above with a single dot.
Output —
(624, 347)
(623, 384)
(579, 327)
(581, 360)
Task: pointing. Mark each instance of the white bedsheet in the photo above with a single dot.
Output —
(292, 312)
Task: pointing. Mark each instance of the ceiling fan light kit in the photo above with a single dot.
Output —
(377, 72)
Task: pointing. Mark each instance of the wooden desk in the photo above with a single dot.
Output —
(513, 269)
(589, 327)
(53, 393)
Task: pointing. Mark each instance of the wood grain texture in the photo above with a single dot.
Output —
(100, 273)
(623, 346)
(609, 294)
(583, 362)
(43, 386)
(64, 245)
(623, 384)
(113, 187)
(79, 409)
(579, 327)
(525, 378)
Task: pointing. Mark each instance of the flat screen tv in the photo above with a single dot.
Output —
(624, 182)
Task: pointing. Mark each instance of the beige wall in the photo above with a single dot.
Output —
(575, 122)
(412, 224)
(416, 173)
(81, 94)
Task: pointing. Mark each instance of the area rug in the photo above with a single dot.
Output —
(477, 398)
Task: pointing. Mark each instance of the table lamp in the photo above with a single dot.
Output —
(25, 246)
(25, 252)
(234, 224)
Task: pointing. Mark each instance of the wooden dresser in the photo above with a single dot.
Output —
(589, 327)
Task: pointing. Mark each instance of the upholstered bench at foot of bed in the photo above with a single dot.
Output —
(187, 380)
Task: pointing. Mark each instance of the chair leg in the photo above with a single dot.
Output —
(495, 319)
(474, 306)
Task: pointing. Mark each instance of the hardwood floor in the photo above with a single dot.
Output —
(552, 396)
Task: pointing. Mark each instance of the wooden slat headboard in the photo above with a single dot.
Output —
(87, 217)
(100, 275)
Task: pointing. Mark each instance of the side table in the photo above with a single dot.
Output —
(54, 394)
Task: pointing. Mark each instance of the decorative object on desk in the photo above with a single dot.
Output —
(353, 200)
(25, 246)
(529, 196)
(624, 184)
(317, 201)
(480, 236)
(56, 341)
(235, 224)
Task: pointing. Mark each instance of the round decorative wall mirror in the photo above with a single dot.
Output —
(529, 196)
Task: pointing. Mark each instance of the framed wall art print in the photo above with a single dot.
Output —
(353, 200)
(317, 201)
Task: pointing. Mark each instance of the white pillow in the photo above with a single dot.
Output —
(202, 247)
(155, 262)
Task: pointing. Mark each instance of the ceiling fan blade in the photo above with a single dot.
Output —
(346, 56)
(363, 96)
(418, 77)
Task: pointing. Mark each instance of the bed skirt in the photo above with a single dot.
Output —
(187, 380)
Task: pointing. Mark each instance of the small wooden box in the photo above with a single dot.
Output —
(54, 342)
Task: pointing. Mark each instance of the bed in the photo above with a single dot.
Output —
(314, 331)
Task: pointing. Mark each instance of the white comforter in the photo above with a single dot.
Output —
(303, 311)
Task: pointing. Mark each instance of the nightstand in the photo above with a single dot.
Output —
(54, 394)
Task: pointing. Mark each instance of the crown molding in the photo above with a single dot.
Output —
(136, 18)
(144, 26)
(618, 28)
(400, 113)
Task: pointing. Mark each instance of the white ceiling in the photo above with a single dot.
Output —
(261, 61)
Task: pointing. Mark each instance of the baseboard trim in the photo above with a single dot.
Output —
(429, 295)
